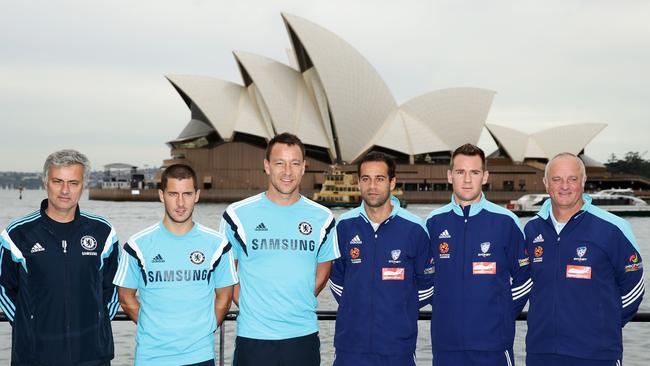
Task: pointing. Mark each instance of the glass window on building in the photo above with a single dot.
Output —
(508, 185)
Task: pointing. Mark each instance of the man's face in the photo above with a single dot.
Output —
(64, 187)
(467, 177)
(179, 198)
(565, 182)
(374, 184)
(285, 168)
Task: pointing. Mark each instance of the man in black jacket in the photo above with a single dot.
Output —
(56, 271)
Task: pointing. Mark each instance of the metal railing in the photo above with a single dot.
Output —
(327, 315)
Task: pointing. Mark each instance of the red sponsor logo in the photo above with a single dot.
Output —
(539, 251)
(583, 272)
(354, 253)
(392, 274)
(634, 258)
(479, 268)
(444, 248)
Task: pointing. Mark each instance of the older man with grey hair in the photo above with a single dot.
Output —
(57, 266)
(587, 274)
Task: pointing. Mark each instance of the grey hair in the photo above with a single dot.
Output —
(66, 157)
(583, 170)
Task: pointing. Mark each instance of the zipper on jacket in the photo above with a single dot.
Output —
(66, 305)
(372, 291)
(462, 266)
(557, 273)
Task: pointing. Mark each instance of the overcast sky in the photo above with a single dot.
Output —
(89, 74)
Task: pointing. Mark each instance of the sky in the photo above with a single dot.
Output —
(89, 75)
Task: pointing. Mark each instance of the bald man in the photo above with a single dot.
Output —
(587, 274)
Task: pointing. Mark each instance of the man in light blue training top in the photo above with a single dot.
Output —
(284, 244)
(176, 265)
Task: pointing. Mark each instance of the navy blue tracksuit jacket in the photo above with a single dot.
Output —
(380, 281)
(587, 283)
(56, 289)
(482, 276)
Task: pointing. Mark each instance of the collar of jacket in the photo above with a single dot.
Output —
(545, 211)
(44, 203)
(474, 208)
(393, 200)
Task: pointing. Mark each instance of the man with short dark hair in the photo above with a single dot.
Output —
(284, 244)
(482, 270)
(179, 267)
(588, 274)
(56, 268)
(384, 275)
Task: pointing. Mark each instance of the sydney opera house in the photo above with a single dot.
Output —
(337, 103)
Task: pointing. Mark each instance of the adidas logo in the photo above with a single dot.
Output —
(444, 235)
(37, 248)
(356, 240)
(261, 227)
(538, 239)
(158, 259)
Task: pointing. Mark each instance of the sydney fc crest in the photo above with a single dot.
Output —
(394, 254)
(304, 228)
(485, 248)
(580, 252)
(197, 257)
(88, 243)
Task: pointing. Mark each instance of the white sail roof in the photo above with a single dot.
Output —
(334, 99)
(547, 143)
(455, 115)
(220, 102)
(285, 95)
(358, 99)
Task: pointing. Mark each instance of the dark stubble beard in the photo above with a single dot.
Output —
(379, 204)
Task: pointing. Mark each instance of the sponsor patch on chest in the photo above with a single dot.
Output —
(484, 268)
(582, 272)
(392, 274)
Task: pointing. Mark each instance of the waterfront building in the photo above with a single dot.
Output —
(336, 102)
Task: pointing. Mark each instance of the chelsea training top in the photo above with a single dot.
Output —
(176, 277)
(278, 249)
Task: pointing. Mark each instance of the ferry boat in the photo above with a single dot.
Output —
(341, 189)
(621, 201)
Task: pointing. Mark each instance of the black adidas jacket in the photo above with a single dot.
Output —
(56, 289)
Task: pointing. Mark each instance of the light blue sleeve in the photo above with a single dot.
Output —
(226, 230)
(129, 272)
(329, 247)
(225, 274)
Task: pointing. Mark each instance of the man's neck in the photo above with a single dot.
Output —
(178, 228)
(564, 214)
(60, 216)
(282, 199)
(464, 204)
(379, 214)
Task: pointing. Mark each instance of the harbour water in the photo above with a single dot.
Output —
(130, 217)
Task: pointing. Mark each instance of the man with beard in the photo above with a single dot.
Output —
(56, 268)
(384, 275)
(482, 270)
(178, 267)
(587, 274)
(284, 244)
